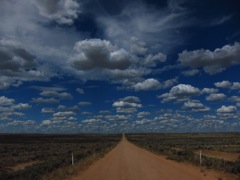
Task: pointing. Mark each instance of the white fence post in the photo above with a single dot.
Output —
(72, 159)
(200, 157)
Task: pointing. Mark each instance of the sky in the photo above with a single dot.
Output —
(109, 66)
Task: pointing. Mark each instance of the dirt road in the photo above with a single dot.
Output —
(129, 162)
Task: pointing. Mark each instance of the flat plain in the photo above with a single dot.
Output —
(34, 156)
(136, 156)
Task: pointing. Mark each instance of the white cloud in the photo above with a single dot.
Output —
(72, 119)
(235, 99)
(180, 92)
(195, 106)
(22, 123)
(227, 109)
(65, 113)
(185, 90)
(84, 103)
(148, 84)
(61, 11)
(153, 84)
(228, 85)
(41, 100)
(191, 72)
(8, 108)
(143, 114)
(22, 106)
(90, 121)
(96, 53)
(47, 110)
(18, 65)
(209, 90)
(144, 24)
(80, 91)
(153, 60)
(137, 47)
(4, 101)
(116, 117)
(63, 95)
(216, 97)
(211, 61)
(128, 104)
(223, 84)
(41, 49)
(144, 121)
(221, 20)
(65, 108)
(46, 122)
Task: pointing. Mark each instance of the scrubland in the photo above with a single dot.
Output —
(220, 151)
(50, 156)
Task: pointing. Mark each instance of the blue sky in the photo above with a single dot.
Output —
(103, 66)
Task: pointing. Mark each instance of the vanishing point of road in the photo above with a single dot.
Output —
(129, 162)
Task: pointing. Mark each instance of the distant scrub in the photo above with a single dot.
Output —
(181, 147)
(51, 151)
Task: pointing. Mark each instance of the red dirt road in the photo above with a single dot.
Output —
(129, 162)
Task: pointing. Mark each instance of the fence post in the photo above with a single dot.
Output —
(72, 159)
(200, 157)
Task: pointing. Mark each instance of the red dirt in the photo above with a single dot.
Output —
(129, 162)
(23, 165)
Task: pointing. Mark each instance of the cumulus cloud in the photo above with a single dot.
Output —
(148, 84)
(36, 49)
(137, 46)
(80, 91)
(153, 60)
(17, 65)
(209, 90)
(143, 121)
(46, 122)
(235, 99)
(9, 108)
(93, 120)
(4, 101)
(22, 106)
(228, 85)
(61, 11)
(185, 90)
(180, 92)
(96, 53)
(195, 106)
(55, 94)
(153, 84)
(216, 97)
(14, 58)
(47, 110)
(116, 117)
(212, 62)
(63, 116)
(65, 108)
(227, 109)
(191, 72)
(64, 113)
(143, 114)
(41, 100)
(22, 123)
(84, 103)
(128, 104)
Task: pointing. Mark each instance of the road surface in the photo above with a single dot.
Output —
(129, 162)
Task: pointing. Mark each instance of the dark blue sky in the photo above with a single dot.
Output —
(72, 66)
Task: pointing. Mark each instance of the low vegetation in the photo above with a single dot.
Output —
(43, 155)
(186, 148)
